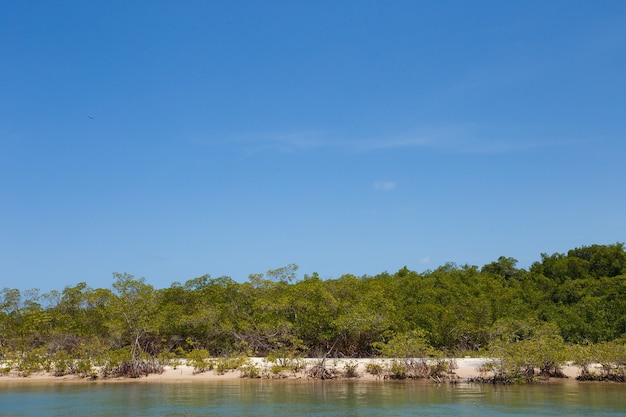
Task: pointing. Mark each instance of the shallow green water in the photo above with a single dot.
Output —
(311, 398)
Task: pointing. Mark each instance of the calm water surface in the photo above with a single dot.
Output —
(310, 398)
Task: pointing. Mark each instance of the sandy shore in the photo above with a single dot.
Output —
(465, 368)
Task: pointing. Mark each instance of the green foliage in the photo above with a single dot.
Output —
(284, 274)
(135, 310)
(582, 356)
(199, 360)
(612, 357)
(350, 369)
(112, 360)
(5, 368)
(287, 356)
(250, 370)
(412, 344)
(397, 369)
(526, 351)
(61, 364)
(276, 368)
(231, 363)
(30, 362)
(413, 358)
(528, 318)
(374, 368)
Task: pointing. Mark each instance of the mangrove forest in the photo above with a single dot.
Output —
(564, 307)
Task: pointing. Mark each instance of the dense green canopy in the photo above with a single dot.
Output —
(579, 296)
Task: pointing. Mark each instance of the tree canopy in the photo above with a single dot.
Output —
(578, 296)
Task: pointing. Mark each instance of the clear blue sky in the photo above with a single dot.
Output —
(175, 139)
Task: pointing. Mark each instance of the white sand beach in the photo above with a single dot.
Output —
(465, 369)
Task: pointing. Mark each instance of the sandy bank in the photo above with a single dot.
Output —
(465, 368)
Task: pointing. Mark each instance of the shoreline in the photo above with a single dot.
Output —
(466, 368)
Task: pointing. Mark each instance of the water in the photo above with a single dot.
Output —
(310, 398)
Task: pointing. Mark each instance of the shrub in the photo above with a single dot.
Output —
(61, 364)
(250, 370)
(612, 357)
(230, 363)
(375, 369)
(199, 360)
(31, 362)
(275, 369)
(397, 370)
(350, 368)
(541, 348)
(112, 360)
(286, 359)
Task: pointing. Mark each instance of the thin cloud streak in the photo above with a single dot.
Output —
(374, 145)
(384, 185)
(465, 140)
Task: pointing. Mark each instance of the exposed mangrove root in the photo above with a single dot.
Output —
(320, 372)
(136, 369)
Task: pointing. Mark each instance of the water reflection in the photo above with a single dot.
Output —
(312, 398)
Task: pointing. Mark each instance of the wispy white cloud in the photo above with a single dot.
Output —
(295, 141)
(384, 185)
(285, 142)
(393, 143)
(425, 260)
(471, 139)
(307, 140)
(468, 139)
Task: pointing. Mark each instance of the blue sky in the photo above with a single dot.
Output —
(175, 139)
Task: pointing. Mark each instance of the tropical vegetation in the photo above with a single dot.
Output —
(565, 307)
